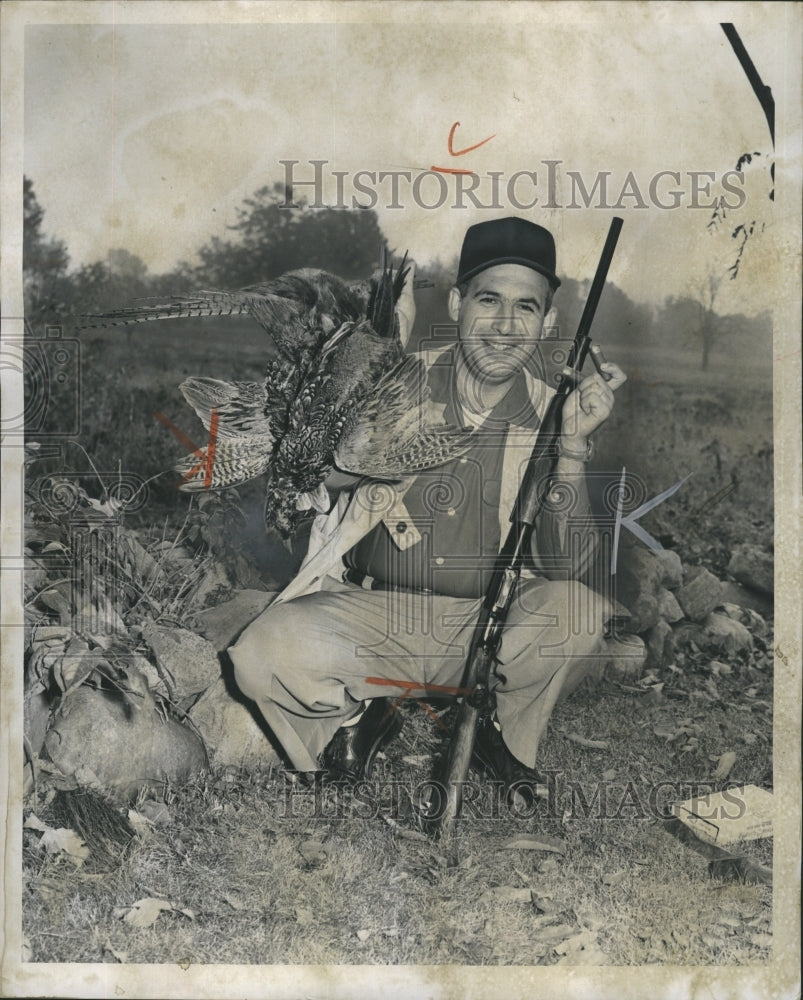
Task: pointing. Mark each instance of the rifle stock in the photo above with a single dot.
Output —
(487, 635)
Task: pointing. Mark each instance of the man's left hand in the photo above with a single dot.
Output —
(590, 405)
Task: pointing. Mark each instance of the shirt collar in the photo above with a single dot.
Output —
(515, 407)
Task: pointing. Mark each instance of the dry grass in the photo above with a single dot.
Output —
(232, 852)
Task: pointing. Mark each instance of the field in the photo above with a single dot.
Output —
(247, 868)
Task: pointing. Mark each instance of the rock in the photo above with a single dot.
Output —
(189, 661)
(97, 732)
(753, 567)
(672, 568)
(735, 593)
(725, 635)
(626, 656)
(38, 705)
(230, 731)
(643, 613)
(222, 624)
(700, 594)
(642, 576)
(668, 607)
(660, 644)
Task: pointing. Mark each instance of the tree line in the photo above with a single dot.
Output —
(268, 240)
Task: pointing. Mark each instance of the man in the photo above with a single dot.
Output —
(385, 601)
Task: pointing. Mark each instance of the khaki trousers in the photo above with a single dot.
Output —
(309, 663)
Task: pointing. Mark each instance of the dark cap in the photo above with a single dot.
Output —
(507, 241)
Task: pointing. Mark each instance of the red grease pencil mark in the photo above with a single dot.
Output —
(207, 462)
(459, 152)
(409, 686)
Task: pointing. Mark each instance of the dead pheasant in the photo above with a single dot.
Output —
(340, 392)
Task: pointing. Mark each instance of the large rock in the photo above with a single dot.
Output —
(101, 741)
(660, 644)
(638, 581)
(668, 607)
(723, 634)
(222, 624)
(190, 662)
(672, 568)
(231, 733)
(700, 593)
(735, 593)
(753, 567)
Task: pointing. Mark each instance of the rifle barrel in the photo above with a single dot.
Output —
(597, 285)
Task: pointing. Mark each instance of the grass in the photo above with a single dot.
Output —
(270, 881)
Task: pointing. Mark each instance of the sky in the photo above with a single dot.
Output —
(149, 137)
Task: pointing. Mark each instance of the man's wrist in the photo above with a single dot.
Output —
(578, 448)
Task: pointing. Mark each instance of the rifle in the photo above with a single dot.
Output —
(535, 487)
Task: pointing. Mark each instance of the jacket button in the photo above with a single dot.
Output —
(401, 527)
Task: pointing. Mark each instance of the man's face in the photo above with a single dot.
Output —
(500, 318)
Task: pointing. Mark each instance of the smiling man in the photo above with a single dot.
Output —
(386, 599)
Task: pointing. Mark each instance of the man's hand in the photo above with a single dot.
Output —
(405, 307)
(589, 405)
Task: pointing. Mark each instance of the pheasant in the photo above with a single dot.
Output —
(339, 393)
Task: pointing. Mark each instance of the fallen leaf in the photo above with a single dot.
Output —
(536, 842)
(156, 812)
(416, 760)
(613, 879)
(575, 943)
(27, 951)
(608, 775)
(65, 841)
(416, 835)
(313, 852)
(234, 901)
(724, 766)
(34, 823)
(731, 922)
(558, 932)
(144, 912)
(581, 741)
(665, 730)
(363, 935)
(749, 738)
(506, 894)
(304, 916)
(118, 956)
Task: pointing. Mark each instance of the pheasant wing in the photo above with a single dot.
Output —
(241, 406)
(393, 434)
(240, 439)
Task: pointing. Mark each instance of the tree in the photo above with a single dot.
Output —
(273, 239)
(44, 263)
(708, 326)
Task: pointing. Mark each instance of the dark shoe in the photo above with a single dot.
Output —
(352, 750)
(493, 757)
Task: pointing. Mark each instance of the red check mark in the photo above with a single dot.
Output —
(459, 152)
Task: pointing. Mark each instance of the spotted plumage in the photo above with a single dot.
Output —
(339, 393)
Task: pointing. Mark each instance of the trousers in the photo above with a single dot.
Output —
(310, 663)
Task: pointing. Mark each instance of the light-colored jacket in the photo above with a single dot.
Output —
(357, 513)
